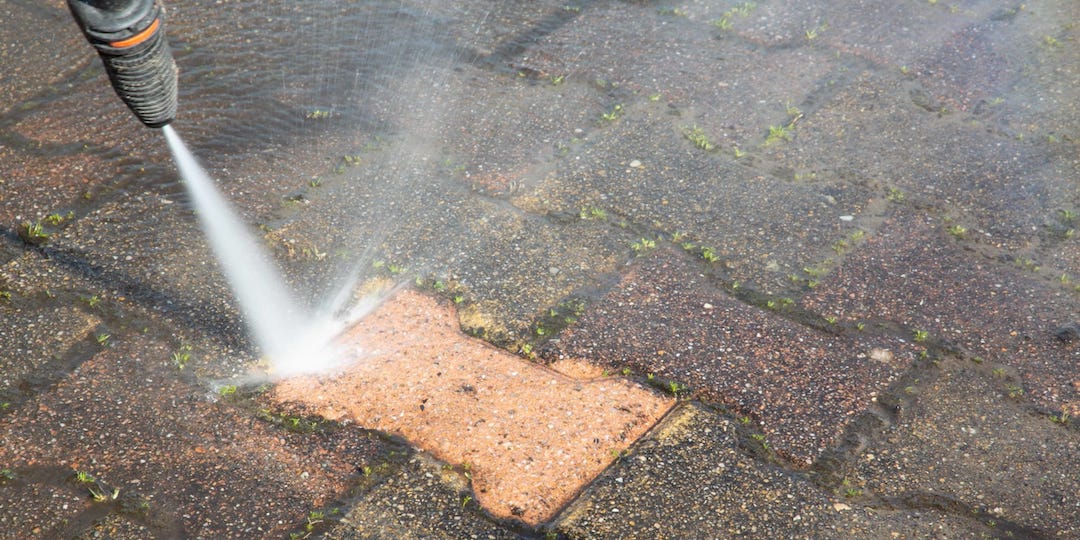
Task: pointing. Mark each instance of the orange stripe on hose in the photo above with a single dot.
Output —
(138, 38)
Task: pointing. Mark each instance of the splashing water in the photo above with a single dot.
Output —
(295, 340)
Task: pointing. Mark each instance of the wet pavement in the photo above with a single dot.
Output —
(840, 238)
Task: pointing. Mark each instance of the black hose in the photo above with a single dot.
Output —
(129, 36)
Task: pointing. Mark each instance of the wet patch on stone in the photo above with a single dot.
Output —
(529, 437)
(900, 144)
(33, 66)
(160, 454)
(758, 224)
(966, 446)
(42, 345)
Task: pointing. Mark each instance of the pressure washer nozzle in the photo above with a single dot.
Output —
(130, 38)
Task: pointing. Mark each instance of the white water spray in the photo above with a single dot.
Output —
(294, 340)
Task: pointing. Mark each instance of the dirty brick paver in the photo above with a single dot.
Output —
(800, 384)
(424, 499)
(692, 480)
(912, 273)
(964, 447)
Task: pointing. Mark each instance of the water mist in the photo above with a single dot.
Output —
(294, 339)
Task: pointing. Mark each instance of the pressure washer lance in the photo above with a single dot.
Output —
(130, 37)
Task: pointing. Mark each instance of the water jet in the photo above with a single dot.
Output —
(294, 339)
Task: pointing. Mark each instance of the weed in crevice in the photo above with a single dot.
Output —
(526, 350)
(895, 195)
(591, 213)
(315, 522)
(56, 219)
(726, 20)
(181, 356)
(32, 233)
(98, 490)
(134, 505)
(813, 33)
(614, 114)
(643, 246)
(668, 386)
(723, 23)
(553, 321)
(778, 133)
(792, 111)
(672, 11)
(1014, 391)
(760, 439)
(390, 268)
(697, 136)
(1028, 264)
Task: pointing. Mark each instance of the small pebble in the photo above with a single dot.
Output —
(635, 163)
